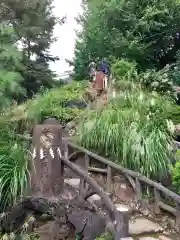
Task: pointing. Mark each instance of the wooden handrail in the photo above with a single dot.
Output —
(118, 222)
(142, 178)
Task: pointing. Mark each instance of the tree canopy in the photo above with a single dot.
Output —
(26, 33)
(143, 31)
(10, 66)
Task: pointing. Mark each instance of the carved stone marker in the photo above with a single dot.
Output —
(47, 169)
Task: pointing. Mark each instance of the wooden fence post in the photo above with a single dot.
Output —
(138, 191)
(157, 197)
(109, 179)
(83, 184)
(121, 225)
(47, 170)
(178, 217)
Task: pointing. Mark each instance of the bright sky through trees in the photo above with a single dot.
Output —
(64, 46)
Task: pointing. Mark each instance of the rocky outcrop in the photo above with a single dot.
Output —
(69, 212)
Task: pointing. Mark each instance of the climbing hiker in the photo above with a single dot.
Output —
(104, 67)
(90, 93)
(92, 71)
(99, 83)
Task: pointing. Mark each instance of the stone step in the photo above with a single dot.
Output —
(159, 237)
(95, 199)
(122, 207)
(137, 227)
(147, 238)
(73, 182)
(142, 225)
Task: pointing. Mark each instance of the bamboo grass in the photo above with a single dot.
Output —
(132, 132)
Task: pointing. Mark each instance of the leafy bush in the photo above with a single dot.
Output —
(61, 103)
(23, 234)
(132, 132)
(58, 102)
(175, 171)
(105, 236)
(158, 81)
(124, 85)
(64, 103)
(123, 69)
(173, 113)
(174, 72)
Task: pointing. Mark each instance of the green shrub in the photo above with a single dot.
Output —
(125, 85)
(158, 81)
(123, 69)
(173, 113)
(131, 132)
(61, 103)
(175, 171)
(53, 103)
(105, 236)
(20, 236)
(125, 72)
(14, 173)
(174, 72)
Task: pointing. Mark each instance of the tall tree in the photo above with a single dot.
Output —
(10, 67)
(140, 30)
(33, 22)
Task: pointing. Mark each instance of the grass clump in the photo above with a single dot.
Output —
(61, 103)
(175, 171)
(105, 236)
(14, 174)
(64, 103)
(131, 131)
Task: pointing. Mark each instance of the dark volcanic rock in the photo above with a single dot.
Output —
(89, 225)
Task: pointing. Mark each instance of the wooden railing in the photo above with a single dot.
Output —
(135, 179)
(118, 223)
(50, 154)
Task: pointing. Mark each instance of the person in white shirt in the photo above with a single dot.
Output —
(92, 70)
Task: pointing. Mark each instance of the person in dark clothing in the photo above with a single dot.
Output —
(104, 67)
